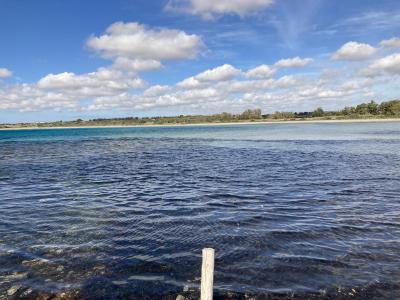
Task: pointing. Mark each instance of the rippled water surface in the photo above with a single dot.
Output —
(292, 210)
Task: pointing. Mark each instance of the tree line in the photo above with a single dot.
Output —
(389, 109)
(370, 109)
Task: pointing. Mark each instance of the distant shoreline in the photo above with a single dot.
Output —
(213, 124)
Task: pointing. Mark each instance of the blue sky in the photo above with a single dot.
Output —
(87, 59)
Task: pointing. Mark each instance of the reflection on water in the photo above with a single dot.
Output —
(297, 210)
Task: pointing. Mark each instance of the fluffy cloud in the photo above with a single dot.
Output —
(210, 9)
(212, 89)
(354, 51)
(221, 73)
(295, 62)
(136, 65)
(135, 41)
(190, 83)
(104, 81)
(156, 90)
(262, 71)
(248, 86)
(134, 48)
(171, 97)
(66, 90)
(236, 94)
(386, 65)
(5, 73)
(27, 97)
(391, 43)
(223, 88)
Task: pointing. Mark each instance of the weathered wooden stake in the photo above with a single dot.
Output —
(207, 274)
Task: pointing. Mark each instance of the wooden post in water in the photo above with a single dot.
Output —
(207, 274)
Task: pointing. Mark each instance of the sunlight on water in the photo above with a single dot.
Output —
(290, 209)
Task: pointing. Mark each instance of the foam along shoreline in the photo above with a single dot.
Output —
(213, 124)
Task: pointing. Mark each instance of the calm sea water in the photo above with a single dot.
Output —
(292, 210)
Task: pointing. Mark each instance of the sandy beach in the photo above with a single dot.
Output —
(215, 124)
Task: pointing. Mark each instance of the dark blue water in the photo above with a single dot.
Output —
(292, 210)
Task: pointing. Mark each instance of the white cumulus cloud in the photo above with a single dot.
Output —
(136, 41)
(220, 73)
(156, 90)
(295, 62)
(391, 43)
(104, 81)
(136, 65)
(190, 83)
(262, 71)
(201, 80)
(354, 51)
(134, 48)
(27, 97)
(5, 73)
(386, 65)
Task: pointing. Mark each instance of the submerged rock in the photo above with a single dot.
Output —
(60, 268)
(14, 276)
(26, 292)
(35, 262)
(11, 291)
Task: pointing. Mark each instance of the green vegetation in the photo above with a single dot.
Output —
(371, 110)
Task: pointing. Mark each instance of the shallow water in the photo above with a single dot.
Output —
(291, 209)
